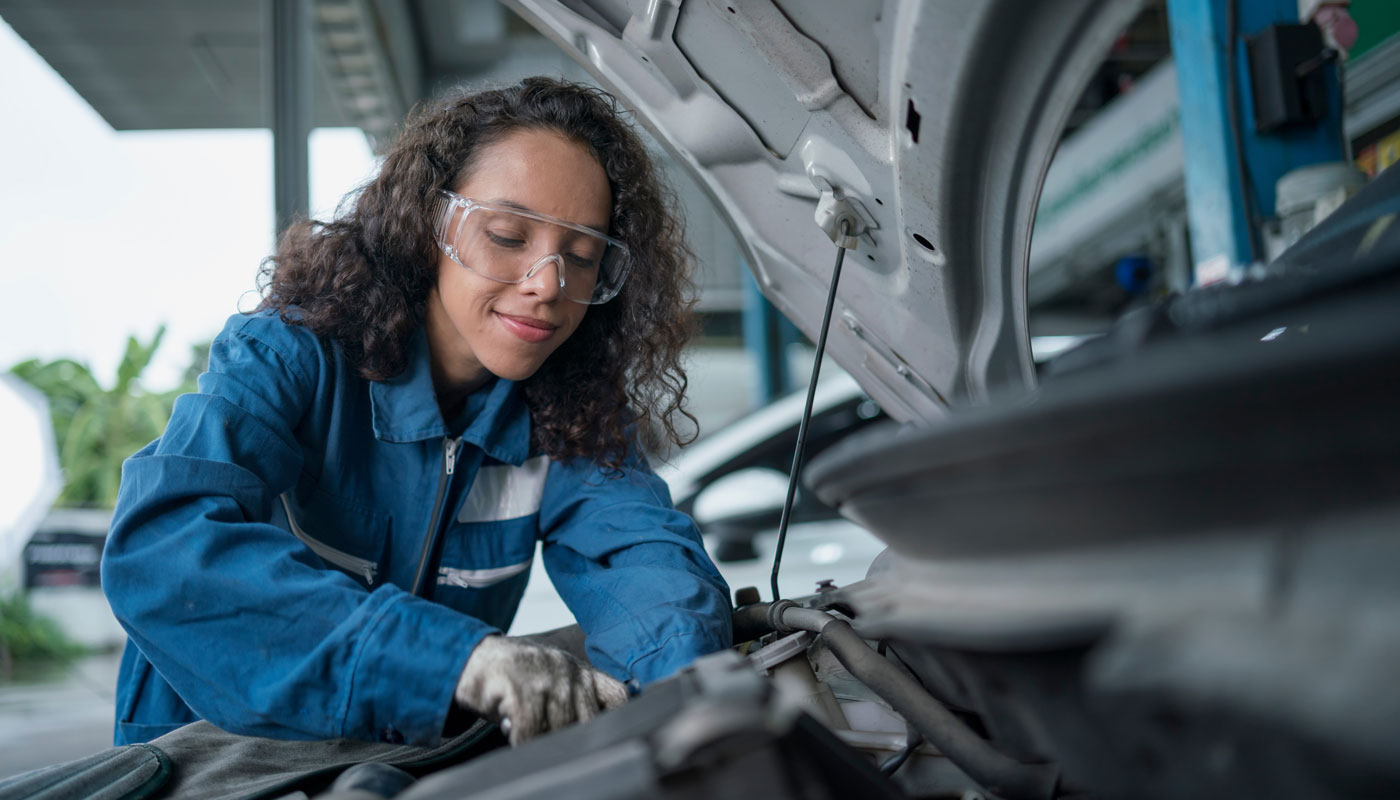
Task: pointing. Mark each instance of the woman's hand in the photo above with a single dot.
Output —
(533, 687)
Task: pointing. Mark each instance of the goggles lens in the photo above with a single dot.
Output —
(511, 246)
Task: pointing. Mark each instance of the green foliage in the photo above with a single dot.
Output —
(95, 428)
(28, 637)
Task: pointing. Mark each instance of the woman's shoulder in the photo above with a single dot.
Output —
(280, 332)
(633, 467)
(272, 326)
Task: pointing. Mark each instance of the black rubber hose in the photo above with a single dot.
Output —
(995, 771)
(892, 764)
(751, 622)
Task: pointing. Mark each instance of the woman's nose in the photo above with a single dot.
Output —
(543, 281)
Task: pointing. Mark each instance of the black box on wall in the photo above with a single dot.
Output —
(1287, 76)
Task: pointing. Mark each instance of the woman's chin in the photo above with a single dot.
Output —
(514, 371)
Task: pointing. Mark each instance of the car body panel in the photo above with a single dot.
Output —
(1166, 571)
(933, 122)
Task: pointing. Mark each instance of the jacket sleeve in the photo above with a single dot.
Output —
(243, 621)
(632, 570)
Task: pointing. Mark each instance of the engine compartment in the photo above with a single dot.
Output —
(1169, 573)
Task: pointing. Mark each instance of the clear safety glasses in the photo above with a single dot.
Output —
(511, 245)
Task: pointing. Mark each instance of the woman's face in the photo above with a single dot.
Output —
(478, 326)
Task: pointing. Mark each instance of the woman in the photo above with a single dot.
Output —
(333, 533)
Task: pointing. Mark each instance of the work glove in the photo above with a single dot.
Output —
(530, 688)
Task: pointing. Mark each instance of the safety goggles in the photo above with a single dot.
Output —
(511, 245)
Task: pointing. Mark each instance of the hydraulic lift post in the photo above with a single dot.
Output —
(1233, 168)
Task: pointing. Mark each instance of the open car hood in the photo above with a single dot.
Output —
(931, 123)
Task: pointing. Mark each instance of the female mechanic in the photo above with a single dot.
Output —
(332, 535)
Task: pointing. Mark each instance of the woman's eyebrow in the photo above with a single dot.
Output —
(501, 201)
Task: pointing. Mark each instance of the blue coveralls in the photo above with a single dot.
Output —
(263, 550)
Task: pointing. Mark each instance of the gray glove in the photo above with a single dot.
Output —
(532, 687)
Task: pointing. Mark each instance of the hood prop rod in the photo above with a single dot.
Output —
(846, 230)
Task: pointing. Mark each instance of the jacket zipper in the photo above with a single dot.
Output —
(340, 558)
(450, 447)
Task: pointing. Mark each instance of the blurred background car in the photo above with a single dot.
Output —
(734, 481)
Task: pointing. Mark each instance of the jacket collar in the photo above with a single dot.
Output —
(405, 409)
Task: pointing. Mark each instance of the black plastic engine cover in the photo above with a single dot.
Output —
(715, 730)
(1282, 416)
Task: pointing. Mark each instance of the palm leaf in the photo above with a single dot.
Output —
(98, 429)
(135, 361)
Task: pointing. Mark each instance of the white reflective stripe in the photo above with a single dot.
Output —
(477, 578)
(502, 491)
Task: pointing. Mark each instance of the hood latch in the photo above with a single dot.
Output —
(835, 207)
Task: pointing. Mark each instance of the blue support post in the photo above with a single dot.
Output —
(764, 338)
(1225, 230)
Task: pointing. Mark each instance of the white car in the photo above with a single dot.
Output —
(733, 482)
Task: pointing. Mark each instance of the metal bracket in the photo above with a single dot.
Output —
(785, 648)
(652, 33)
(891, 359)
(834, 209)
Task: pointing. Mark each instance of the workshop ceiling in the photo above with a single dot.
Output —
(177, 64)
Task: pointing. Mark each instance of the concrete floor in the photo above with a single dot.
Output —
(57, 715)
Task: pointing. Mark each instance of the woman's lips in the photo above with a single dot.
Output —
(527, 328)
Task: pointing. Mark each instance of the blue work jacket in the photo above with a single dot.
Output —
(265, 550)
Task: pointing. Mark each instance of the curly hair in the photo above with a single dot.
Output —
(363, 279)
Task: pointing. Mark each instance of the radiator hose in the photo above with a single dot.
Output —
(995, 771)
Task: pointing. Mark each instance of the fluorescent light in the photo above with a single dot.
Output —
(1044, 348)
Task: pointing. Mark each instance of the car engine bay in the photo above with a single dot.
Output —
(1171, 574)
